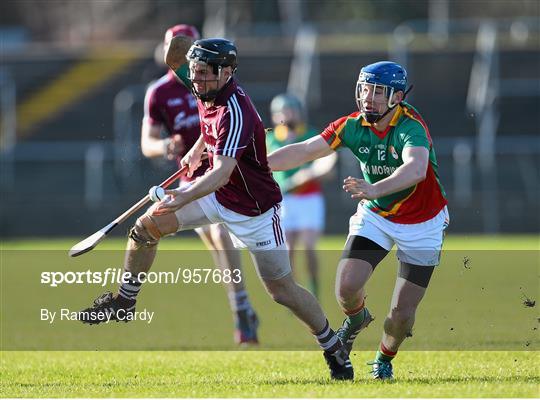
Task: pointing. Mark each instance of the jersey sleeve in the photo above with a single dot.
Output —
(152, 115)
(235, 131)
(416, 136)
(332, 133)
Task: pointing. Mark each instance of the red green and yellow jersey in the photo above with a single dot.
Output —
(279, 137)
(380, 154)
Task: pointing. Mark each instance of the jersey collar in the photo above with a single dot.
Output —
(226, 92)
(393, 122)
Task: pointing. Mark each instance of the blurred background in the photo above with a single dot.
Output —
(73, 76)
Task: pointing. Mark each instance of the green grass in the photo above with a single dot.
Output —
(263, 374)
(478, 308)
(329, 242)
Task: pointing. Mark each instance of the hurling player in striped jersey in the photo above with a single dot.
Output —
(169, 104)
(401, 202)
(238, 191)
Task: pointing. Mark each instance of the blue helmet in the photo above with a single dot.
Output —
(391, 77)
(385, 73)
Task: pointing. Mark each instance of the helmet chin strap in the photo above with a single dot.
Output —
(210, 95)
(373, 118)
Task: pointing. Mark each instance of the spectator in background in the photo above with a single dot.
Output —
(303, 201)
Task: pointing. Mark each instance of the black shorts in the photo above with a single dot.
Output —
(362, 248)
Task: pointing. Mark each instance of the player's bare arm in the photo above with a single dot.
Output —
(152, 145)
(321, 168)
(413, 171)
(193, 157)
(296, 154)
(210, 182)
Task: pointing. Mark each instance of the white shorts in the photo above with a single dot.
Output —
(302, 212)
(418, 244)
(201, 229)
(262, 232)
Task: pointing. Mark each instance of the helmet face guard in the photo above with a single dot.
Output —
(370, 91)
(375, 88)
(206, 94)
(215, 53)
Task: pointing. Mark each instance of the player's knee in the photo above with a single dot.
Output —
(310, 241)
(145, 232)
(349, 282)
(279, 293)
(346, 289)
(280, 296)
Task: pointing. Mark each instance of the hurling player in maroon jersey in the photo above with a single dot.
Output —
(237, 191)
(169, 104)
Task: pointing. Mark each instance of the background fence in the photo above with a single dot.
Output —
(72, 90)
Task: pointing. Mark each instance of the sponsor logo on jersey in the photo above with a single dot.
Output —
(379, 169)
(363, 150)
(192, 102)
(183, 122)
(175, 102)
(393, 152)
(265, 243)
(364, 168)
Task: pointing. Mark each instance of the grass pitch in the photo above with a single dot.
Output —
(294, 373)
(263, 374)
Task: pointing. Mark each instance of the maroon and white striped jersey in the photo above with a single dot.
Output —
(232, 127)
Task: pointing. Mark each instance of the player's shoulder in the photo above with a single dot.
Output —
(238, 97)
(158, 84)
(412, 124)
(411, 119)
(347, 121)
(411, 114)
(239, 105)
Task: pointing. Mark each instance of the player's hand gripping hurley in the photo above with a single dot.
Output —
(92, 241)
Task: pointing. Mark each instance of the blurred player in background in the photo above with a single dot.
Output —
(238, 190)
(169, 104)
(303, 201)
(402, 202)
